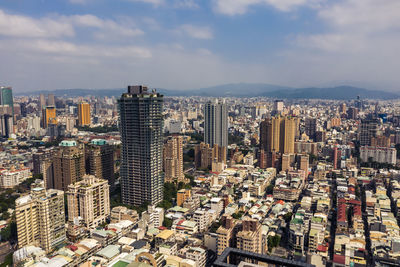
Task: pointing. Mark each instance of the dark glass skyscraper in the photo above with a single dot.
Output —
(141, 128)
(6, 98)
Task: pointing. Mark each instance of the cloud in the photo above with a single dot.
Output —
(363, 15)
(64, 48)
(189, 4)
(355, 26)
(62, 26)
(240, 7)
(197, 32)
(106, 27)
(22, 26)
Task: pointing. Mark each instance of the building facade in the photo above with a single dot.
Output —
(173, 159)
(41, 219)
(68, 164)
(141, 128)
(89, 199)
(216, 124)
(101, 160)
(84, 118)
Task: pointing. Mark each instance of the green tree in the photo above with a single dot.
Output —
(273, 241)
(167, 222)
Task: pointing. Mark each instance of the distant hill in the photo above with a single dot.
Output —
(339, 92)
(244, 90)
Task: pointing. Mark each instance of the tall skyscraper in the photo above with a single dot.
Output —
(290, 128)
(270, 132)
(68, 165)
(141, 128)
(6, 125)
(173, 159)
(278, 107)
(90, 200)
(51, 101)
(368, 129)
(6, 98)
(278, 134)
(101, 160)
(83, 114)
(41, 219)
(310, 127)
(216, 124)
(42, 101)
(49, 116)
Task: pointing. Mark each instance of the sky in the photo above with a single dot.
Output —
(187, 44)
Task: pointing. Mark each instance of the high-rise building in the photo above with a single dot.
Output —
(51, 101)
(49, 116)
(89, 199)
(304, 163)
(216, 124)
(40, 218)
(278, 107)
(278, 134)
(6, 98)
(226, 233)
(205, 156)
(173, 159)
(310, 127)
(141, 128)
(250, 237)
(6, 125)
(84, 114)
(68, 164)
(101, 160)
(290, 128)
(42, 101)
(368, 129)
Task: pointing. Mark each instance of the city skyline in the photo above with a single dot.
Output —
(65, 44)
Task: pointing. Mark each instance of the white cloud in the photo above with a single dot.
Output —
(197, 32)
(22, 26)
(106, 27)
(363, 15)
(62, 26)
(64, 48)
(239, 7)
(190, 4)
(355, 26)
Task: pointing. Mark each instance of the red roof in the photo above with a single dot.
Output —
(341, 259)
(72, 247)
(355, 202)
(342, 212)
(322, 248)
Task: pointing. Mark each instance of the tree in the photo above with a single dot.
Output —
(273, 241)
(167, 222)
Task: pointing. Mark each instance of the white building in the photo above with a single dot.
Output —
(378, 154)
(217, 204)
(201, 217)
(9, 179)
(153, 216)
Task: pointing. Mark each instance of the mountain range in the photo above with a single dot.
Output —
(244, 90)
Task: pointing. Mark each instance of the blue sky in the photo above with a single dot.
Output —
(183, 44)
